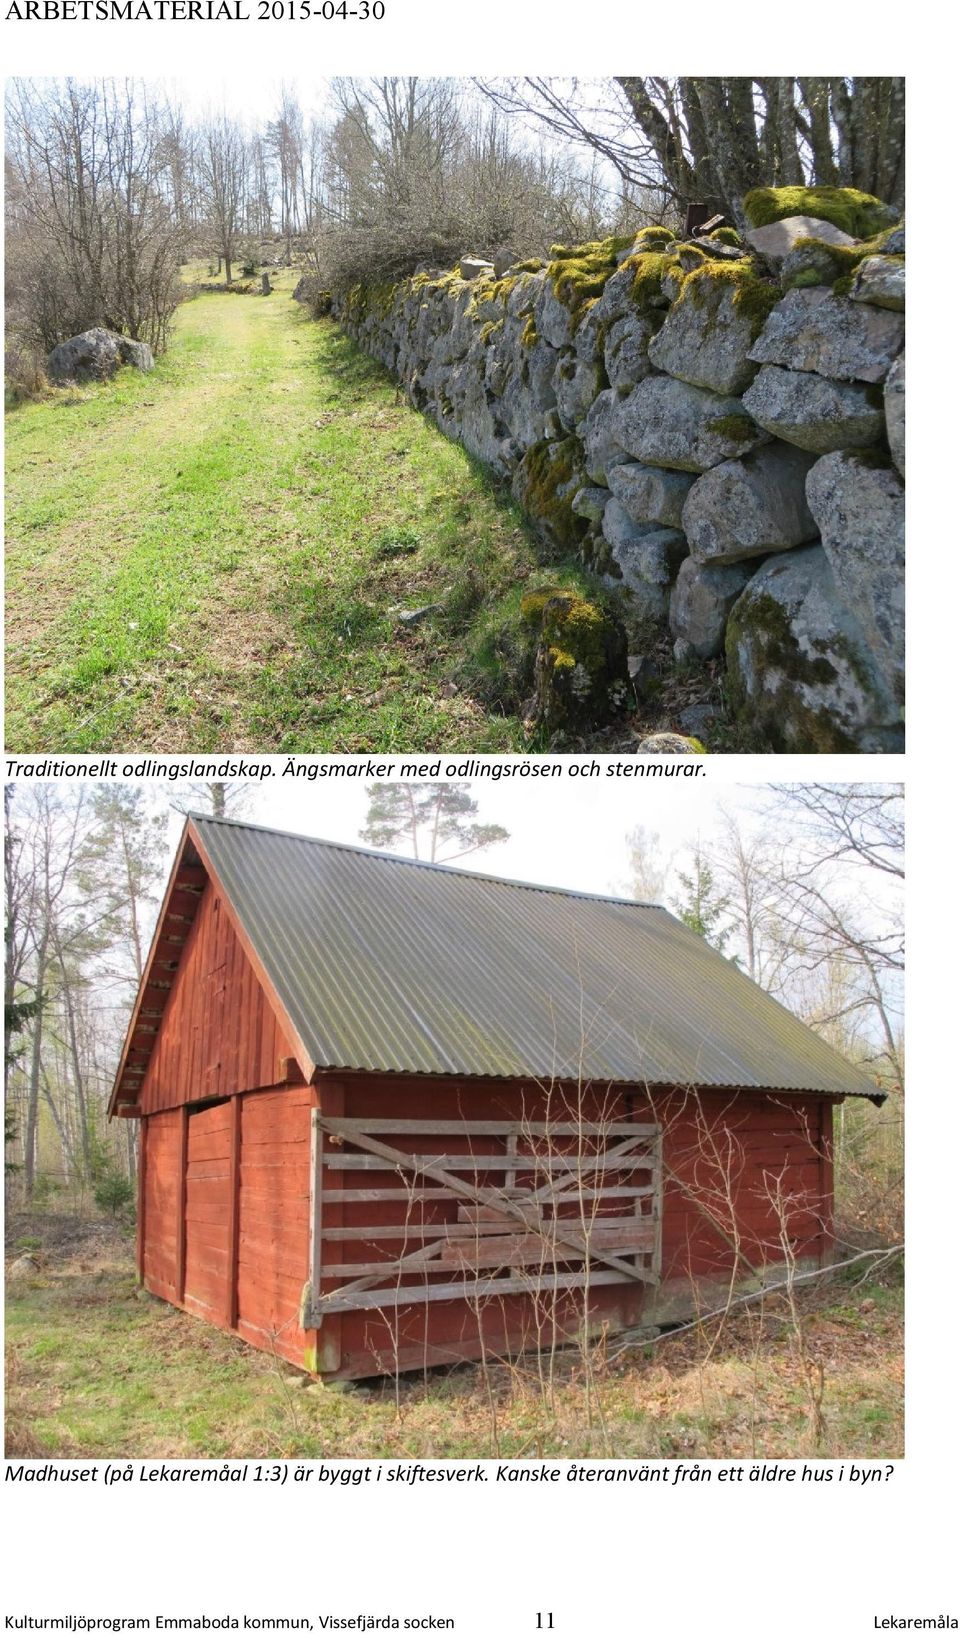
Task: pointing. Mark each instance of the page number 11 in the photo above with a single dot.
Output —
(544, 1619)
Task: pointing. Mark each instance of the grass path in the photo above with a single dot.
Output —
(214, 556)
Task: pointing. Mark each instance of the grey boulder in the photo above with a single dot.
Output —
(601, 449)
(750, 507)
(648, 559)
(775, 241)
(591, 503)
(97, 354)
(894, 405)
(700, 603)
(625, 351)
(859, 509)
(828, 334)
(706, 337)
(812, 412)
(881, 280)
(798, 668)
(576, 382)
(649, 493)
(667, 422)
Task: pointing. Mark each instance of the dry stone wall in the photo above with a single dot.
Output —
(717, 432)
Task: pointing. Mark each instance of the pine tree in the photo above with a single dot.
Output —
(703, 906)
(426, 820)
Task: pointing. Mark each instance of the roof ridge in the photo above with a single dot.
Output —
(419, 862)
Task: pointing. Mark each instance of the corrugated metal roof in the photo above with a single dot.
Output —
(391, 965)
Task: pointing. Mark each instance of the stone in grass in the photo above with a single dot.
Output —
(858, 505)
(22, 1269)
(580, 669)
(815, 413)
(669, 743)
(666, 422)
(700, 604)
(97, 354)
(412, 616)
(798, 668)
(828, 334)
(750, 507)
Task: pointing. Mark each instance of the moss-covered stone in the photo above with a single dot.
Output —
(753, 297)
(652, 238)
(798, 668)
(854, 212)
(813, 261)
(580, 672)
(649, 267)
(738, 427)
(545, 484)
(726, 235)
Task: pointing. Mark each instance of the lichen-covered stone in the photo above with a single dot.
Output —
(666, 422)
(881, 280)
(647, 557)
(601, 450)
(813, 412)
(576, 384)
(700, 603)
(650, 493)
(580, 672)
(828, 334)
(859, 509)
(591, 503)
(750, 507)
(625, 352)
(708, 332)
(798, 668)
(894, 407)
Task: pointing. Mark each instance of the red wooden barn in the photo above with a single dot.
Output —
(396, 1114)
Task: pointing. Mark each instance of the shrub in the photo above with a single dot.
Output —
(25, 377)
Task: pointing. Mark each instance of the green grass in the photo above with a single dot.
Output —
(98, 1368)
(213, 556)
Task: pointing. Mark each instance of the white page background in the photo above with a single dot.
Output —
(737, 1557)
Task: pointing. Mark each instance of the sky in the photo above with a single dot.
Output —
(576, 838)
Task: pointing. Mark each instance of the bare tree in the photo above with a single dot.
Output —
(222, 161)
(712, 139)
(93, 236)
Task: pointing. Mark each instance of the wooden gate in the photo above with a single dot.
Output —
(498, 1208)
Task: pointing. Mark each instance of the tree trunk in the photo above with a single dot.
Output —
(33, 1085)
(791, 171)
(816, 98)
